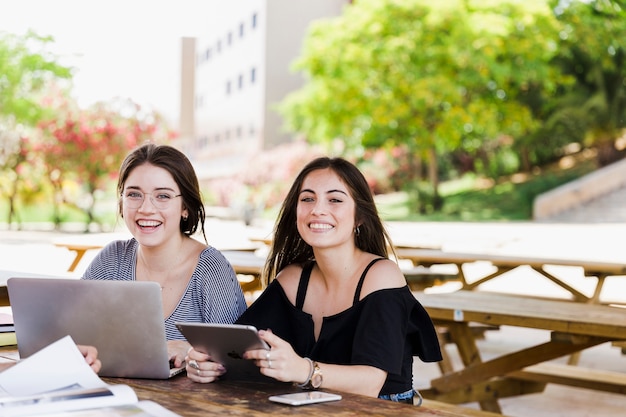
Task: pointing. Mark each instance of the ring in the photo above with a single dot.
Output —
(198, 372)
(269, 363)
(194, 364)
(267, 355)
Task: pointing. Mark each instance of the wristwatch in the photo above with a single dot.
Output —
(316, 379)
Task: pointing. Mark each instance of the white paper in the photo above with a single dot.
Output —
(141, 409)
(57, 378)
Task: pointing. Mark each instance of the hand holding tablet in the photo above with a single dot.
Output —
(226, 344)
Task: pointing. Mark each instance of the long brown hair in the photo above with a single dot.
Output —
(288, 247)
(178, 165)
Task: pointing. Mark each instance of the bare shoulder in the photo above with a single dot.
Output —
(383, 274)
(289, 278)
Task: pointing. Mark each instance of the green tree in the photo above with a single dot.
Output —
(27, 72)
(433, 77)
(88, 145)
(593, 51)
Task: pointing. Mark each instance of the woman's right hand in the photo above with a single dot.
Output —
(201, 369)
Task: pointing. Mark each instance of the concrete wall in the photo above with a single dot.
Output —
(581, 191)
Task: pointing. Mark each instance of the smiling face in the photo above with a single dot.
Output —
(149, 225)
(326, 210)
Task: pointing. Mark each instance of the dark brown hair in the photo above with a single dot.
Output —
(178, 165)
(288, 247)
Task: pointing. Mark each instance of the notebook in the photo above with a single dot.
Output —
(122, 319)
(226, 344)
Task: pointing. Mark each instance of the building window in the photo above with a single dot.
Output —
(207, 54)
(241, 30)
(252, 75)
(240, 82)
(228, 87)
(218, 46)
(238, 132)
(254, 20)
(199, 101)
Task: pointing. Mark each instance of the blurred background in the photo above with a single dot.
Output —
(455, 111)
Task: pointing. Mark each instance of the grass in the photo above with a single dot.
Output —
(471, 199)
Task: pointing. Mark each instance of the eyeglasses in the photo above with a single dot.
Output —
(160, 199)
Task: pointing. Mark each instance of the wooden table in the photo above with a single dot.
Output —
(506, 263)
(247, 264)
(573, 327)
(80, 249)
(244, 398)
(243, 260)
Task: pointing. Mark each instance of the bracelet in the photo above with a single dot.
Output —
(305, 383)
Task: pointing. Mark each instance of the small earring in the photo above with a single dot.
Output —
(357, 231)
(185, 218)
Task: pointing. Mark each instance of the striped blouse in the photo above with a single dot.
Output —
(213, 294)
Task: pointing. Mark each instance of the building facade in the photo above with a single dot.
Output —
(234, 75)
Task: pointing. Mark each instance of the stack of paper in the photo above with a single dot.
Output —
(56, 381)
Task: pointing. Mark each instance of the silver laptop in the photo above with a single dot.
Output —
(122, 319)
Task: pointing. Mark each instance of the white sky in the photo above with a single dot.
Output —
(120, 48)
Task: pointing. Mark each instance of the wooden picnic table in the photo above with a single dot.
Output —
(247, 264)
(505, 263)
(79, 249)
(574, 327)
(418, 278)
(243, 260)
(248, 398)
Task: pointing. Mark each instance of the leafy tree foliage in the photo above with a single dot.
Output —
(27, 71)
(593, 51)
(41, 125)
(429, 76)
(89, 145)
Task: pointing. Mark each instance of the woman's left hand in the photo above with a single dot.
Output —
(280, 362)
(176, 351)
(90, 353)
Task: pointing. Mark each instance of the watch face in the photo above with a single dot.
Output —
(316, 381)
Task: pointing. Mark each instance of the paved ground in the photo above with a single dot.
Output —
(33, 251)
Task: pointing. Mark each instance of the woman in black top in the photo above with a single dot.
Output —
(340, 312)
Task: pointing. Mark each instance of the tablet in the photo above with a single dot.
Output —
(226, 343)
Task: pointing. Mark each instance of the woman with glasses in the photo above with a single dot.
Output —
(160, 202)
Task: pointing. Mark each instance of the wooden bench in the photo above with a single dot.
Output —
(441, 408)
(575, 376)
(527, 369)
(478, 331)
(419, 278)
